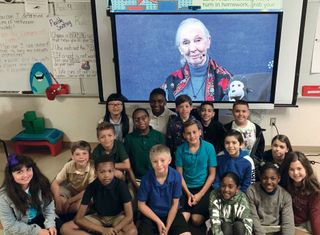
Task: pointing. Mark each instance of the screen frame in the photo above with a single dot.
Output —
(289, 64)
(278, 28)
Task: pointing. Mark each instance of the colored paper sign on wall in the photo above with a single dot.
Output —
(238, 4)
(134, 5)
(203, 4)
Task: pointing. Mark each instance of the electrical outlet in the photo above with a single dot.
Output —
(273, 121)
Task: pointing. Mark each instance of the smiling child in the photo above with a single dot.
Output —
(271, 205)
(229, 208)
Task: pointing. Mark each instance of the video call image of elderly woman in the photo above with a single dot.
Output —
(200, 76)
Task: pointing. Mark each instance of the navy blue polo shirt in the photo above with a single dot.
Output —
(108, 199)
(159, 197)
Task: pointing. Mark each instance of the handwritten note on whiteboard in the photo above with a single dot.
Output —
(24, 40)
(36, 6)
(72, 46)
(62, 40)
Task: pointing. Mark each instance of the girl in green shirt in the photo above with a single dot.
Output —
(229, 208)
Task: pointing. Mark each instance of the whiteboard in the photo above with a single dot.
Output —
(306, 77)
(62, 40)
(289, 48)
(24, 40)
(289, 55)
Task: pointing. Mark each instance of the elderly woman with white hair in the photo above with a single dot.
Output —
(200, 76)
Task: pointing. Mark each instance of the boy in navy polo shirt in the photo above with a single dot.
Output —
(158, 197)
(111, 201)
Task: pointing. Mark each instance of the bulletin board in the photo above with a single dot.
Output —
(62, 40)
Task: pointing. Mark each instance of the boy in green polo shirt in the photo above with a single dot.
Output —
(110, 147)
(139, 142)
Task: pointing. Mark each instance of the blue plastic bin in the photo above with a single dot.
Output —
(51, 135)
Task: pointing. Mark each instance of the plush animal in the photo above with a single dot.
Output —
(40, 78)
(237, 89)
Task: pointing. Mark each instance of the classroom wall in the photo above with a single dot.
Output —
(78, 117)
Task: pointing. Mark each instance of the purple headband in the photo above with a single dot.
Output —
(12, 160)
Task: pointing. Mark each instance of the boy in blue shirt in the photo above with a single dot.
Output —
(158, 197)
(196, 162)
(175, 123)
(234, 159)
(111, 200)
